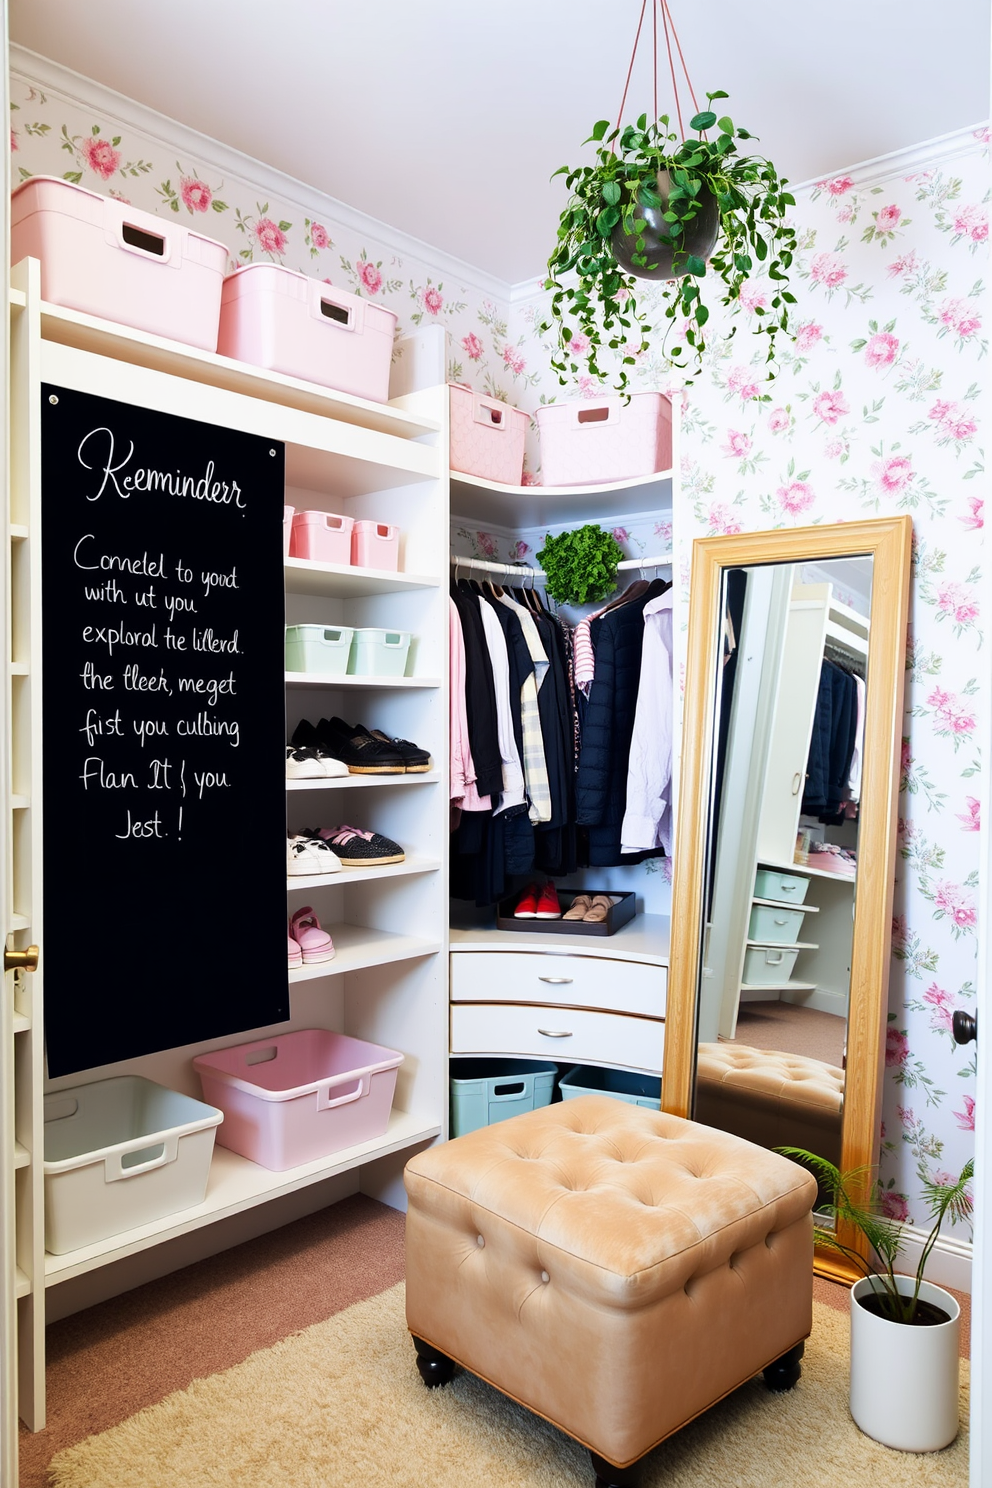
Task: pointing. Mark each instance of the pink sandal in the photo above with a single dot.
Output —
(315, 944)
(295, 954)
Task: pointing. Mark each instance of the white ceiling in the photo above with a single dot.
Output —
(446, 118)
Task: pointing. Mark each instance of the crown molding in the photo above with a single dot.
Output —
(51, 77)
(901, 163)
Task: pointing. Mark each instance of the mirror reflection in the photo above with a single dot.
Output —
(782, 852)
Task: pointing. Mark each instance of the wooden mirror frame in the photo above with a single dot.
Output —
(888, 542)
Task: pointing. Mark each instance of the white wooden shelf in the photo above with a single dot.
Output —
(532, 506)
(345, 581)
(21, 1155)
(357, 946)
(323, 679)
(802, 868)
(780, 904)
(20, 803)
(22, 1283)
(18, 668)
(17, 532)
(346, 876)
(644, 938)
(140, 348)
(778, 986)
(783, 945)
(350, 782)
(235, 1184)
(19, 922)
(21, 1022)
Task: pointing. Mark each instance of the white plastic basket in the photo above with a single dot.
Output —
(120, 1153)
(318, 648)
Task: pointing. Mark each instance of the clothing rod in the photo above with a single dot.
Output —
(511, 570)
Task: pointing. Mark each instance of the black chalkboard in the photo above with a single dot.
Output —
(163, 731)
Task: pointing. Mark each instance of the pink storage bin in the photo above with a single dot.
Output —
(299, 1096)
(287, 529)
(604, 439)
(322, 537)
(375, 545)
(106, 258)
(487, 437)
(290, 323)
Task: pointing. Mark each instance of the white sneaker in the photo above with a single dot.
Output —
(309, 856)
(334, 769)
(303, 764)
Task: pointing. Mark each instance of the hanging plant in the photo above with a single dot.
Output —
(679, 211)
(580, 566)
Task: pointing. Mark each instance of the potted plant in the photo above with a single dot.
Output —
(904, 1330)
(654, 206)
(581, 565)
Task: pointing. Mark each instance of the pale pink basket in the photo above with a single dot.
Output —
(287, 528)
(103, 257)
(375, 545)
(589, 442)
(290, 323)
(299, 1096)
(487, 437)
(323, 537)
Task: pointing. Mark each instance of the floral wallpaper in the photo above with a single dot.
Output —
(880, 406)
(53, 136)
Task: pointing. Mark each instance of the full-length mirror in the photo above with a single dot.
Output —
(785, 854)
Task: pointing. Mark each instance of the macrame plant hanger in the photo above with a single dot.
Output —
(671, 35)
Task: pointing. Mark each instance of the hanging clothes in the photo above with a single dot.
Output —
(512, 772)
(480, 697)
(647, 819)
(831, 743)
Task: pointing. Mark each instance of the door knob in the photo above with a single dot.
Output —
(21, 960)
(964, 1027)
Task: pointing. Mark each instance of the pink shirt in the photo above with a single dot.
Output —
(463, 776)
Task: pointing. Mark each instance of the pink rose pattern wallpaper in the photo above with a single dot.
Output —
(878, 408)
(52, 136)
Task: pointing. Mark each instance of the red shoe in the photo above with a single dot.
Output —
(548, 907)
(527, 904)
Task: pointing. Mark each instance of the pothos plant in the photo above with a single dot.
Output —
(637, 213)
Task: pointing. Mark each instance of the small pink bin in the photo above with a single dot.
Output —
(299, 1096)
(487, 437)
(287, 529)
(591, 441)
(103, 257)
(302, 327)
(375, 545)
(322, 537)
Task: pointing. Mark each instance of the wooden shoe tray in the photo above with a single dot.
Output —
(618, 915)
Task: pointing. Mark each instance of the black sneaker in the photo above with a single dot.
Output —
(417, 760)
(358, 849)
(360, 751)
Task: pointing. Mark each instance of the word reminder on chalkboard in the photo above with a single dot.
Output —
(163, 731)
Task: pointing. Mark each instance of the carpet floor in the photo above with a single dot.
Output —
(793, 1030)
(341, 1402)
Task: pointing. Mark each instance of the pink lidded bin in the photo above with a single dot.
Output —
(302, 327)
(299, 1096)
(591, 441)
(287, 529)
(322, 537)
(487, 437)
(106, 258)
(375, 545)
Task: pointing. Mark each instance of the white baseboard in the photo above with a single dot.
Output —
(950, 1260)
(820, 999)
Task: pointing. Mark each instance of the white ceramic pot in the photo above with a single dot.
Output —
(904, 1379)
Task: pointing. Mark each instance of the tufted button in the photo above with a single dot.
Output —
(545, 1276)
(480, 1242)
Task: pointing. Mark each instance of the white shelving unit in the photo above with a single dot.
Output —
(387, 983)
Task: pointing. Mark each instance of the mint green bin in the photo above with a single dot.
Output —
(484, 1091)
(624, 1085)
(318, 648)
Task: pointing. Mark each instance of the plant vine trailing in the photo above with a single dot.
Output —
(606, 210)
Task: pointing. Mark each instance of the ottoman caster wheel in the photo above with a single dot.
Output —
(785, 1372)
(608, 1476)
(435, 1368)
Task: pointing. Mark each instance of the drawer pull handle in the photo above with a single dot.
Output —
(557, 981)
(552, 1033)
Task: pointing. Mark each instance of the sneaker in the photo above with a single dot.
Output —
(548, 907)
(315, 944)
(416, 760)
(358, 849)
(358, 749)
(306, 856)
(303, 764)
(295, 954)
(527, 904)
(306, 742)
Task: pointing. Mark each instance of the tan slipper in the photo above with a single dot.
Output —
(598, 910)
(579, 908)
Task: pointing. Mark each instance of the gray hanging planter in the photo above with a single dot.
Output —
(652, 254)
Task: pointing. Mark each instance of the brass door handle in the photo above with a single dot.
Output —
(21, 960)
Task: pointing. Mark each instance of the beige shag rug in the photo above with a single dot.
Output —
(342, 1404)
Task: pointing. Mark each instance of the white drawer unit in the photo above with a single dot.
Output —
(569, 981)
(566, 1035)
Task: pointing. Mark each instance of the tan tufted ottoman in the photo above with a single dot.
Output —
(612, 1268)
(771, 1098)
